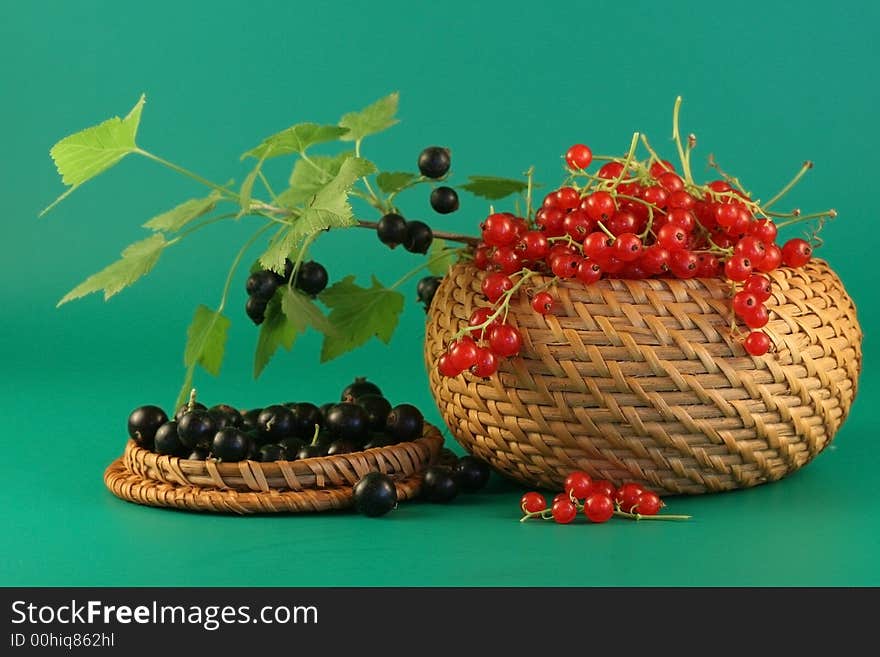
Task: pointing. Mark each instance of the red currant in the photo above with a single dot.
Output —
(542, 303)
(532, 503)
(598, 507)
(550, 220)
(683, 218)
(627, 496)
(485, 363)
(764, 229)
(446, 367)
(681, 199)
(565, 266)
(671, 181)
(588, 271)
(567, 198)
(506, 259)
(654, 259)
(463, 353)
(533, 245)
(495, 285)
(481, 257)
(659, 168)
(738, 268)
(627, 247)
(796, 253)
(577, 225)
(759, 286)
(505, 340)
(683, 263)
(499, 229)
(672, 237)
(648, 504)
(656, 195)
(757, 343)
(564, 511)
(596, 244)
(745, 302)
(708, 266)
(757, 317)
(610, 170)
(624, 221)
(772, 258)
(579, 156)
(578, 484)
(602, 487)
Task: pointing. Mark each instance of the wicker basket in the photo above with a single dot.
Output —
(314, 484)
(642, 381)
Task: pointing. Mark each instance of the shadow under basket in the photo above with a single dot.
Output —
(314, 484)
(641, 380)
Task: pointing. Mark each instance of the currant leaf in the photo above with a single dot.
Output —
(372, 119)
(83, 155)
(288, 314)
(247, 189)
(302, 312)
(296, 139)
(357, 314)
(391, 182)
(137, 260)
(206, 340)
(309, 176)
(178, 217)
(494, 188)
(441, 257)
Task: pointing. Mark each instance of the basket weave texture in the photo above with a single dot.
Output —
(315, 484)
(641, 380)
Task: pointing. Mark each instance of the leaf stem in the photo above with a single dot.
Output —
(266, 184)
(187, 173)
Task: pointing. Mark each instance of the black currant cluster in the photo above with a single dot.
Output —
(427, 288)
(311, 278)
(362, 419)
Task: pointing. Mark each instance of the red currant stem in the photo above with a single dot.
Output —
(794, 181)
(605, 230)
(568, 239)
(451, 237)
(639, 516)
(530, 184)
(829, 214)
(731, 180)
(543, 514)
(503, 303)
(629, 156)
(604, 181)
(685, 164)
(654, 157)
(651, 207)
(532, 291)
(444, 253)
(691, 145)
(719, 249)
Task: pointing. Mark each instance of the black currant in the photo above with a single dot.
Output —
(274, 423)
(434, 162)
(341, 446)
(359, 387)
(198, 406)
(311, 278)
(427, 288)
(438, 485)
(231, 445)
(143, 423)
(310, 451)
(249, 419)
(271, 453)
(349, 421)
(326, 407)
(377, 439)
(377, 408)
(255, 308)
(418, 237)
(288, 270)
(470, 473)
(196, 428)
(404, 423)
(444, 200)
(199, 454)
(262, 284)
(291, 447)
(391, 230)
(225, 416)
(168, 441)
(305, 417)
(374, 494)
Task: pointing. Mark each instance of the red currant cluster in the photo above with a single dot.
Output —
(598, 500)
(632, 219)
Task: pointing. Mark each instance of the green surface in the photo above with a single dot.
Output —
(765, 86)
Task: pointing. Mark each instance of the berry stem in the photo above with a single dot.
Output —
(676, 136)
(529, 190)
(544, 514)
(731, 180)
(791, 183)
(629, 156)
(266, 184)
(639, 516)
(503, 304)
(451, 237)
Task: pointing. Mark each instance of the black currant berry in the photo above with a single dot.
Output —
(199, 454)
(438, 485)
(444, 200)
(288, 270)
(341, 446)
(168, 441)
(470, 473)
(271, 453)
(427, 288)
(357, 389)
(377, 439)
(434, 162)
(230, 445)
(418, 237)
(262, 284)
(349, 421)
(305, 417)
(249, 419)
(311, 278)
(196, 428)
(404, 423)
(326, 407)
(274, 423)
(375, 494)
(143, 423)
(225, 416)
(310, 451)
(291, 447)
(377, 408)
(255, 308)
(391, 230)
(198, 406)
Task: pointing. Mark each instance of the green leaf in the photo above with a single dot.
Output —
(83, 155)
(357, 314)
(176, 218)
(329, 208)
(275, 331)
(296, 139)
(494, 188)
(302, 312)
(247, 189)
(206, 340)
(372, 119)
(309, 176)
(137, 259)
(441, 257)
(391, 182)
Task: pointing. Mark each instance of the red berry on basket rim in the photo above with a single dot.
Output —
(446, 367)
(564, 511)
(579, 156)
(648, 504)
(745, 302)
(485, 363)
(505, 340)
(495, 285)
(578, 484)
(478, 317)
(598, 507)
(532, 503)
(772, 258)
(481, 257)
(759, 286)
(757, 343)
(738, 268)
(463, 353)
(542, 303)
(565, 266)
(588, 271)
(627, 247)
(796, 252)
(757, 317)
(683, 264)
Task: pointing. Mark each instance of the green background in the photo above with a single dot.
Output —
(505, 85)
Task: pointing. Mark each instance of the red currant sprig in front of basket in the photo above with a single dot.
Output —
(632, 219)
